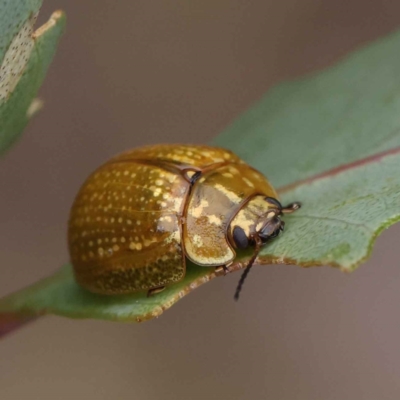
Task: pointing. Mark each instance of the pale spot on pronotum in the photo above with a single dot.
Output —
(213, 219)
(228, 193)
(259, 226)
(197, 211)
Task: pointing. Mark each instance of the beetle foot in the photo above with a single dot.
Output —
(222, 270)
(152, 292)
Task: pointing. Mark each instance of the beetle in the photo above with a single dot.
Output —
(139, 216)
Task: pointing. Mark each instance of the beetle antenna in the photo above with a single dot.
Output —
(248, 268)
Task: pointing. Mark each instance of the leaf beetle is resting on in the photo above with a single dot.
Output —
(139, 216)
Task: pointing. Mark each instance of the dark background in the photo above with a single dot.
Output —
(129, 73)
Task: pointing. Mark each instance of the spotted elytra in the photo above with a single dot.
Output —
(139, 216)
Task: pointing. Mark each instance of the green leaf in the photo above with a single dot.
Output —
(330, 141)
(344, 211)
(346, 113)
(60, 295)
(25, 55)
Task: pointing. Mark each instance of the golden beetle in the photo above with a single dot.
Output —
(137, 217)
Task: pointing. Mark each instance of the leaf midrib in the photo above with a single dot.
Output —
(338, 170)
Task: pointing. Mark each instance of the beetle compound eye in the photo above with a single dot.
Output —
(275, 234)
(240, 238)
(271, 230)
(270, 227)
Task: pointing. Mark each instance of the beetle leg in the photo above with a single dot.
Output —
(152, 292)
(221, 271)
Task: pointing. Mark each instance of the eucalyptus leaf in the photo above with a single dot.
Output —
(308, 126)
(330, 141)
(25, 55)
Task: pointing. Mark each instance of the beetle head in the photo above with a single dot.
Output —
(266, 226)
(269, 225)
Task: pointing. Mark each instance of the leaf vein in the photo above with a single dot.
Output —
(335, 219)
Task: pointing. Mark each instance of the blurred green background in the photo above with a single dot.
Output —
(129, 73)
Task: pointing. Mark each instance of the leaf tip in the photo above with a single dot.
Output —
(57, 17)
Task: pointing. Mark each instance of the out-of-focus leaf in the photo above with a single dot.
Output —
(25, 55)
